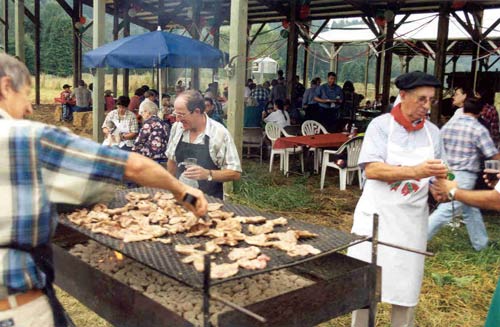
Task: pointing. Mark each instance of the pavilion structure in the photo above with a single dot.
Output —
(191, 15)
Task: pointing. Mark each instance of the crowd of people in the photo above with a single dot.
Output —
(404, 158)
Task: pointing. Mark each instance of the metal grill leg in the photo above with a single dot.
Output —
(206, 291)
(373, 296)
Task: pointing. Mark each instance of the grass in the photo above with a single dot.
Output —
(458, 282)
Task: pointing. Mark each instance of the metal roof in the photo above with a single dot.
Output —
(179, 12)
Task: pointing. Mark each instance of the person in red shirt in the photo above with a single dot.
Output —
(109, 101)
(67, 103)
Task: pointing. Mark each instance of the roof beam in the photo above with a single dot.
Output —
(257, 33)
(280, 9)
(28, 13)
(66, 7)
(362, 6)
(320, 29)
(491, 28)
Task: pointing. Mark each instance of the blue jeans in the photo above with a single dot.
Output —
(67, 114)
(472, 216)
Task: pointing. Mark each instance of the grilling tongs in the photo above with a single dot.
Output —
(189, 198)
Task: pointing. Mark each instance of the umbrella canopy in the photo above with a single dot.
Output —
(153, 50)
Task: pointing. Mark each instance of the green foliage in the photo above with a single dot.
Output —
(57, 53)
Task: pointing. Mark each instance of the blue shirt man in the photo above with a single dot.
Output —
(329, 95)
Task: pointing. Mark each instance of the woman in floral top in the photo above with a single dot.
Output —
(153, 136)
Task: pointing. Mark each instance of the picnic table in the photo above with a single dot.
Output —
(331, 140)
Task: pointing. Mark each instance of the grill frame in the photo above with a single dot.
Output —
(163, 258)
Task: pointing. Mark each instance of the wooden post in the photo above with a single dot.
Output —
(426, 63)
(477, 51)
(291, 58)
(377, 68)
(386, 78)
(37, 52)
(115, 37)
(97, 98)
(237, 50)
(440, 62)
(19, 29)
(4, 28)
(76, 43)
(305, 66)
(126, 32)
(407, 63)
(215, 71)
(367, 67)
(195, 34)
(332, 58)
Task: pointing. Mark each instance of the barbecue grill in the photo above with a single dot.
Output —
(341, 283)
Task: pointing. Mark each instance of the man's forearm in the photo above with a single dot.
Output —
(225, 175)
(388, 173)
(146, 172)
(482, 199)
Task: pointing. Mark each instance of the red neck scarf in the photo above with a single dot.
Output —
(401, 120)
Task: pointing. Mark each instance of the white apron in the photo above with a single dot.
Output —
(121, 127)
(403, 217)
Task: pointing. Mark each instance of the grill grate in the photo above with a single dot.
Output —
(163, 258)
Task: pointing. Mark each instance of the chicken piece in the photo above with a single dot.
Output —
(117, 211)
(100, 207)
(283, 245)
(214, 233)
(244, 253)
(214, 206)
(303, 250)
(164, 203)
(133, 237)
(146, 207)
(163, 240)
(163, 196)
(279, 221)
(211, 247)
(259, 239)
(95, 216)
(124, 221)
(155, 230)
(267, 227)
(304, 234)
(223, 270)
(78, 217)
(228, 225)
(226, 240)
(135, 196)
(254, 264)
(176, 220)
(186, 249)
(196, 259)
(174, 229)
(191, 220)
(251, 220)
(158, 217)
(290, 236)
(198, 230)
(220, 214)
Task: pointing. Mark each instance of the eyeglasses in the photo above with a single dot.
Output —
(181, 115)
(422, 99)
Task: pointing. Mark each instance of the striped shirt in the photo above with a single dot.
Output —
(221, 147)
(465, 140)
(41, 165)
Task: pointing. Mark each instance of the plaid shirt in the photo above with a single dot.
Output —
(129, 121)
(221, 147)
(465, 139)
(41, 165)
(260, 94)
(489, 116)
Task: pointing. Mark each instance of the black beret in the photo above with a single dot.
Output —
(412, 80)
(66, 86)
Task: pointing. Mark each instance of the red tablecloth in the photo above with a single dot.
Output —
(314, 141)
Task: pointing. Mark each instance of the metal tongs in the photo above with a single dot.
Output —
(189, 198)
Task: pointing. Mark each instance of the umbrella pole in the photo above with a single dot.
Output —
(159, 87)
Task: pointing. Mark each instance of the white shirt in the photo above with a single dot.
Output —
(278, 118)
(221, 147)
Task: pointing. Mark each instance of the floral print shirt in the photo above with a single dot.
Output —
(152, 139)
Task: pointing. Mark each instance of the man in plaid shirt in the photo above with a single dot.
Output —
(465, 140)
(41, 165)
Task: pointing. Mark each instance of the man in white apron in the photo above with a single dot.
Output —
(399, 155)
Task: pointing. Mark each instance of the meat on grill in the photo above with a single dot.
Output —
(186, 249)
(223, 270)
(258, 263)
(244, 253)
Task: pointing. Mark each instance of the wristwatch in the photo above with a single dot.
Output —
(451, 194)
(210, 177)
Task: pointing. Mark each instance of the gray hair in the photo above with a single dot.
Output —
(16, 70)
(194, 100)
(151, 108)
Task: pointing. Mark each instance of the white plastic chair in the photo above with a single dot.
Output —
(312, 127)
(353, 148)
(273, 132)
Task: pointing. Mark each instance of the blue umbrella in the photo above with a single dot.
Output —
(154, 50)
